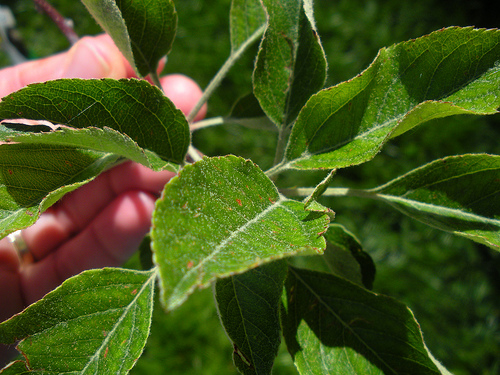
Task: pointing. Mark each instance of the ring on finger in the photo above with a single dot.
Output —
(22, 250)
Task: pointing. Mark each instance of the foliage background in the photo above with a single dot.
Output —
(451, 284)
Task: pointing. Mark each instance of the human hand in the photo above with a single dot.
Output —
(102, 223)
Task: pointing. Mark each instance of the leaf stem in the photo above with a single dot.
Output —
(65, 25)
(194, 154)
(156, 80)
(206, 123)
(275, 170)
(331, 192)
(280, 147)
(215, 82)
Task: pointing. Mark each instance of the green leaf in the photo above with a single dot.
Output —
(143, 31)
(132, 107)
(34, 176)
(343, 257)
(109, 16)
(15, 368)
(291, 64)
(95, 322)
(449, 72)
(105, 140)
(151, 26)
(222, 216)
(441, 368)
(245, 18)
(346, 258)
(332, 326)
(319, 190)
(249, 307)
(458, 194)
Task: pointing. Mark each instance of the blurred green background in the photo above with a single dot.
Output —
(451, 284)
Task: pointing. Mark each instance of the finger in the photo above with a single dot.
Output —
(109, 240)
(9, 261)
(183, 92)
(10, 294)
(76, 210)
(90, 57)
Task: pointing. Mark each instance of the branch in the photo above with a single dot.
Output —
(62, 23)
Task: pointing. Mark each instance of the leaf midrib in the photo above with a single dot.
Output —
(126, 310)
(232, 235)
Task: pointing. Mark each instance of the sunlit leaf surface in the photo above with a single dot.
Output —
(94, 323)
(15, 368)
(223, 216)
(449, 72)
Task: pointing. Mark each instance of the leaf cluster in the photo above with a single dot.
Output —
(278, 266)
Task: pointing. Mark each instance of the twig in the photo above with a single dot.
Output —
(215, 82)
(62, 23)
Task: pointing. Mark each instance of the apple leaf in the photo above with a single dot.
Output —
(222, 216)
(247, 112)
(332, 326)
(34, 176)
(245, 18)
(95, 322)
(143, 30)
(291, 64)
(449, 72)
(132, 107)
(105, 140)
(15, 368)
(345, 257)
(109, 16)
(249, 306)
(458, 194)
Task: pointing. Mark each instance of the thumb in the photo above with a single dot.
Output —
(90, 57)
(95, 57)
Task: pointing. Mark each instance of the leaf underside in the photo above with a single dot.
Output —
(34, 176)
(249, 306)
(458, 194)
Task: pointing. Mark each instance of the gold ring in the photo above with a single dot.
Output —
(24, 254)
